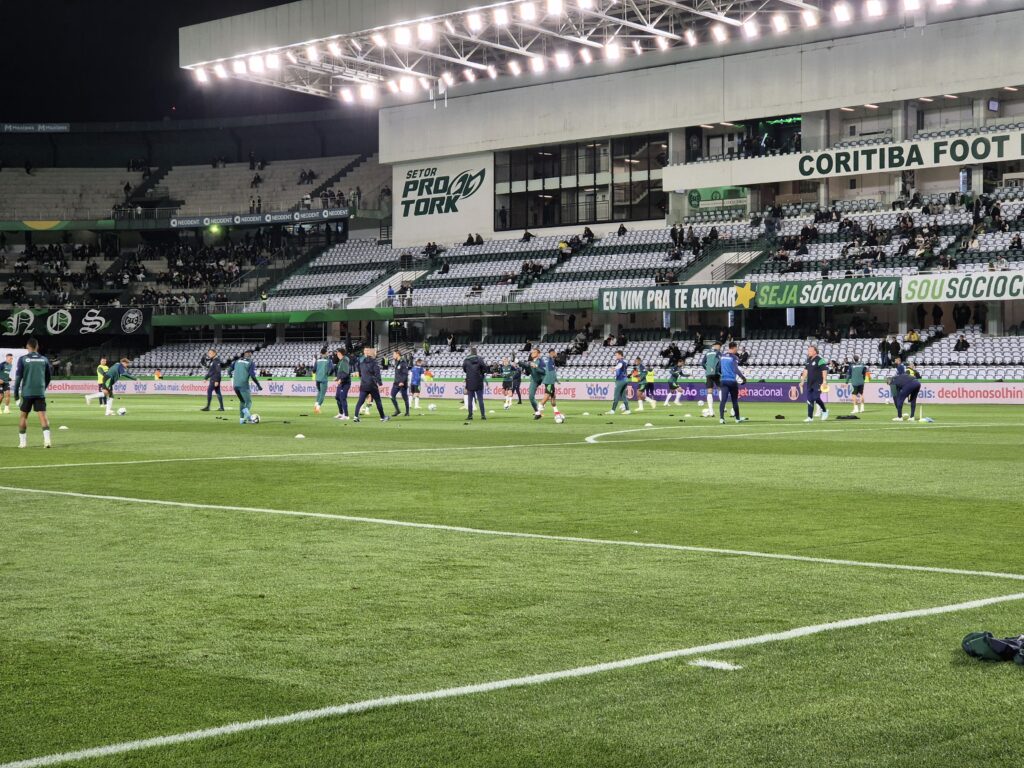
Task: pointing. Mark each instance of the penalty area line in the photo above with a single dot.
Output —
(513, 534)
(310, 715)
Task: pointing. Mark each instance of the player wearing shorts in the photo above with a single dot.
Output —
(550, 383)
(537, 367)
(101, 374)
(856, 378)
(415, 382)
(30, 382)
(114, 374)
(637, 376)
(508, 372)
(6, 369)
(712, 375)
(243, 371)
(675, 389)
(649, 387)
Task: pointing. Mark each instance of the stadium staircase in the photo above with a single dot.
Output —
(377, 294)
(149, 190)
(333, 179)
(725, 266)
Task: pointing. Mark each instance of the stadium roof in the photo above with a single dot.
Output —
(407, 50)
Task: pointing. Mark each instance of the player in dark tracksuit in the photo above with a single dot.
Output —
(905, 387)
(476, 372)
(815, 376)
(6, 369)
(369, 384)
(517, 382)
(731, 378)
(400, 387)
(343, 375)
(214, 376)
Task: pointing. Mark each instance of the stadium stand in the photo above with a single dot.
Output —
(64, 193)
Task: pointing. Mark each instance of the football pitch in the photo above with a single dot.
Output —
(180, 590)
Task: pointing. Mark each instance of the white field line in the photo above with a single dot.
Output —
(709, 664)
(515, 534)
(496, 685)
(724, 434)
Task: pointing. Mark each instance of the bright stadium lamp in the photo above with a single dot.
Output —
(392, 86)
(586, 55)
(334, 48)
(842, 12)
(347, 96)
(256, 64)
(448, 78)
(238, 66)
(425, 84)
(751, 29)
(475, 22)
(368, 91)
(780, 23)
(874, 8)
(719, 33)
(537, 64)
(612, 51)
(219, 71)
(312, 53)
(943, 2)
(406, 84)
(555, 7)
(810, 18)
(379, 40)
(514, 68)
(470, 75)
(403, 36)
(201, 75)
(291, 57)
(273, 61)
(492, 72)
(691, 37)
(637, 48)
(912, 5)
(586, 4)
(528, 12)
(425, 32)
(501, 16)
(563, 60)
(663, 43)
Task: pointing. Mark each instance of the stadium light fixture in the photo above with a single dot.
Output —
(256, 64)
(368, 92)
(586, 4)
(1011, 88)
(847, 109)
(425, 32)
(392, 86)
(492, 72)
(334, 48)
(637, 48)
(528, 12)
(515, 68)
(949, 96)
(555, 7)
(707, 127)
(201, 75)
(871, 106)
(943, 3)
(379, 40)
(586, 55)
(750, 29)
(538, 65)
(663, 43)
(728, 125)
(406, 84)
(691, 37)
(425, 84)
(449, 78)
(347, 96)
(874, 8)
(238, 66)
(809, 18)
(927, 99)
(501, 16)
(470, 75)
(719, 33)
(403, 36)
(475, 22)
(291, 57)
(563, 60)
(312, 53)
(357, 46)
(613, 51)
(842, 12)
(219, 71)
(273, 61)
(780, 23)
(912, 5)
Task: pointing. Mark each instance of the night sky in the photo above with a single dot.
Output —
(112, 60)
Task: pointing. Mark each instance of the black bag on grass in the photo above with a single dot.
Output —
(987, 647)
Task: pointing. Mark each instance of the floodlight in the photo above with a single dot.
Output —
(528, 11)
(842, 12)
(780, 23)
(219, 71)
(238, 66)
(347, 96)
(719, 33)
(612, 51)
(201, 75)
(403, 36)
(425, 32)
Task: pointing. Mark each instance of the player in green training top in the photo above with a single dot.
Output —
(508, 372)
(322, 375)
(6, 369)
(114, 374)
(30, 382)
(242, 372)
(856, 377)
(536, 368)
(712, 375)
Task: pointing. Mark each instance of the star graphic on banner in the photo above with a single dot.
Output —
(745, 295)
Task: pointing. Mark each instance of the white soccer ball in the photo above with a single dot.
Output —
(559, 418)
(122, 411)
(254, 418)
(707, 413)
(432, 407)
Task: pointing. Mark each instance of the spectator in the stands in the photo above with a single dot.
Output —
(259, 204)
(252, 205)
(962, 345)
(674, 234)
(937, 314)
(1001, 262)
(256, 181)
(588, 235)
(445, 267)
(476, 240)
(527, 236)
(469, 240)
(622, 230)
(980, 314)
(28, 167)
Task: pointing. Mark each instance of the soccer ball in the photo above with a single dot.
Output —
(254, 418)
(707, 413)
(559, 418)
(432, 407)
(122, 411)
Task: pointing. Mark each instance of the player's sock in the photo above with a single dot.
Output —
(652, 403)
(640, 405)
(46, 437)
(22, 439)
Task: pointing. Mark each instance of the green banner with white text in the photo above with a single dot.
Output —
(829, 293)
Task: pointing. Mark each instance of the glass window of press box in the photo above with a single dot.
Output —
(581, 183)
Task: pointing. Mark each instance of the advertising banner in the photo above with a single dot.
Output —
(253, 219)
(938, 393)
(443, 201)
(829, 293)
(98, 321)
(676, 298)
(964, 286)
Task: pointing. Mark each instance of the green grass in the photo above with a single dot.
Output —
(121, 620)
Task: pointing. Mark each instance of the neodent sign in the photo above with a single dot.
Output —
(427, 192)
